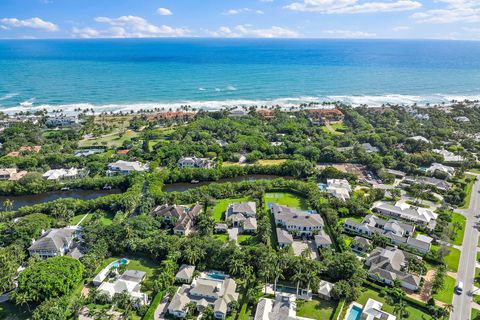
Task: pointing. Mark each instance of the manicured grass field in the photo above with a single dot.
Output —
(270, 162)
(287, 199)
(138, 263)
(316, 308)
(77, 219)
(475, 314)
(413, 312)
(452, 259)
(468, 191)
(110, 140)
(446, 295)
(457, 217)
(475, 170)
(223, 237)
(222, 205)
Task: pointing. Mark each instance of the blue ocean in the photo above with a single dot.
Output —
(113, 75)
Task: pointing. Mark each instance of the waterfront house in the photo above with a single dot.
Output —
(194, 162)
(389, 264)
(320, 116)
(125, 167)
(54, 242)
(237, 113)
(63, 174)
(210, 289)
(61, 121)
(11, 174)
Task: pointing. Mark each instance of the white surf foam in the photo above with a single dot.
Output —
(213, 105)
(8, 96)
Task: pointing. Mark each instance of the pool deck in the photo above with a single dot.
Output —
(350, 309)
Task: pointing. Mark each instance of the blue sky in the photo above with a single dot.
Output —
(399, 19)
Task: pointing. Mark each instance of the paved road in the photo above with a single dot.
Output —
(462, 304)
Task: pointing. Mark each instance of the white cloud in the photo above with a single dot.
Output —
(164, 12)
(247, 31)
(453, 11)
(233, 12)
(134, 27)
(34, 23)
(348, 34)
(85, 33)
(352, 6)
(400, 28)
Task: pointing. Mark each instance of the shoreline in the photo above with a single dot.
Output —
(217, 105)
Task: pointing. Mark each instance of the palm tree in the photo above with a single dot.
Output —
(400, 308)
(448, 308)
(8, 204)
(21, 298)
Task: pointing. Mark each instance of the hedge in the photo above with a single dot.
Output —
(153, 306)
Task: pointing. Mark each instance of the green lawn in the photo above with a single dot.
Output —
(457, 217)
(452, 259)
(110, 140)
(475, 314)
(475, 170)
(468, 191)
(77, 219)
(316, 308)
(446, 295)
(222, 205)
(107, 219)
(222, 237)
(287, 199)
(138, 263)
(413, 312)
(341, 221)
(275, 162)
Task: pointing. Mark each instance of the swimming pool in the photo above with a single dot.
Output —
(116, 264)
(286, 289)
(355, 313)
(215, 276)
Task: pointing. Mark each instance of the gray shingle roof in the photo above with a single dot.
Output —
(54, 240)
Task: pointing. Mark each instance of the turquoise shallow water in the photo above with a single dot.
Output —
(133, 74)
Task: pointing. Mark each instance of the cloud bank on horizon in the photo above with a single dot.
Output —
(397, 19)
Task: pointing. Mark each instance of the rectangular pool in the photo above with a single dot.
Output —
(355, 313)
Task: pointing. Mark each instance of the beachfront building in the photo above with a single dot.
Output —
(439, 184)
(185, 273)
(243, 216)
(213, 289)
(237, 113)
(438, 167)
(194, 162)
(339, 188)
(389, 264)
(180, 217)
(397, 232)
(125, 167)
(61, 121)
(54, 242)
(421, 216)
(63, 174)
(320, 116)
(297, 221)
(129, 282)
(449, 156)
(11, 174)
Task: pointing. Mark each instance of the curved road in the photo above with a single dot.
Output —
(462, 304)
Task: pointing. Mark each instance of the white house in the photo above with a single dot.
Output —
(449, 156)
(194, 162)
(128, 282)
(63, 174)
(339, 188)
(404, 211)
(54, 242)
(373, 311)
(438, 167)
(283, 307)
(294, 220)
(210, 289)
(185, 273)
(125, 167)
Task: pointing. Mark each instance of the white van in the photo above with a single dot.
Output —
(459, 287)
